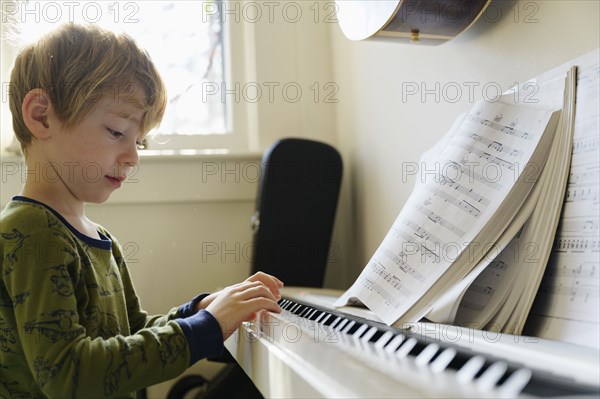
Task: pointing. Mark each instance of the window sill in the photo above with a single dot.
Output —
(168, 177)
(212, 154)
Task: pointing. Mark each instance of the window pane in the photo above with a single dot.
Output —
(184, 39)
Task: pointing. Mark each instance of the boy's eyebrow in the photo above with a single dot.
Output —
(125, 115)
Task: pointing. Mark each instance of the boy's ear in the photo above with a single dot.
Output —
(36, 108)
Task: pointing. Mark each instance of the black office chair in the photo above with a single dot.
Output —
(295, 211)
(293, 221)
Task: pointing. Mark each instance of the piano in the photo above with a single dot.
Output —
(313, 350)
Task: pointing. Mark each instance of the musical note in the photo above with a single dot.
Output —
(586, 177)
(586, 144)
(389, 299)
(477, 297)
(469, 192)
(463, 205)
(566, 307)
(399, 260)
(577, 245)
(509, 130)
(487, 156)
(435, 218)
(582, 194)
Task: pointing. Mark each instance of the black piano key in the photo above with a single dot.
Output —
(375, 337)
(394, 343)
(427, 354)
(490, 377)
(316, 315)
(442, 359)
(298, 310)
(360, 331)
(284, 304)
(406, 347)
(471, 369)
(383, 340)
(294, 308)
(325, 319)
(334, 322)
(503, 379)
(341, 324)
(417, 348)
(366, 337)
(459, 360)
(435, 356)
(483, 368)
(347, 326)
(305, 312)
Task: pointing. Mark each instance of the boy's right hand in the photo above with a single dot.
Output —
(240, 302)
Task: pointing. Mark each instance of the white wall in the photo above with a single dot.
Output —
(380, 126)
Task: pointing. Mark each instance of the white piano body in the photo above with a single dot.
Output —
(306, 352)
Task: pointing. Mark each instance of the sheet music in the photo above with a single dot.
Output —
(486, 156)
(567, 306)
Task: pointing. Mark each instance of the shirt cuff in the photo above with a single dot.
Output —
(187, 309)
(203, 334)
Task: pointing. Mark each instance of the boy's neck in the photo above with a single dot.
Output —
(72, 211)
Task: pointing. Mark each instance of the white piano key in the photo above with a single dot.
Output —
(406, 347)
(340, 325)
(369, 334)
(304, 312)
(360, 331)
(335, 322)
(515, 383)
(426, 354)
(293, 308)
(490, 377)
(470, 369)
(384, 339)
(323, 316)
(442, 361)
(284, 304)
(315, 315)
(394, 344)
(347, 326)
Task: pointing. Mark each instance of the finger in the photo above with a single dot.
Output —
(277, 281)
(260, 303)
(257, 290)
(273, 283)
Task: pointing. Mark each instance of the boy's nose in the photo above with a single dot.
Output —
(130, 157)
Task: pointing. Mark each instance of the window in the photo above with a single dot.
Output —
(187, 40)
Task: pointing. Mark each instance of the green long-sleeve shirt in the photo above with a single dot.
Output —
(70, 321)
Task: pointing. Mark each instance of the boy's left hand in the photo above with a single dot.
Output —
(272, 283)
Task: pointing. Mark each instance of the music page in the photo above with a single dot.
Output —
(568, 301)
(486, 159)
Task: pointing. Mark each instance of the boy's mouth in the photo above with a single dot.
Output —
(115, 181)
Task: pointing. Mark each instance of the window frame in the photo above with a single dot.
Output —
(237, 39)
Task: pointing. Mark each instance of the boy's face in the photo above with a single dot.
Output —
(95, 156)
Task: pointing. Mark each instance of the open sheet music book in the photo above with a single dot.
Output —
(471, 244)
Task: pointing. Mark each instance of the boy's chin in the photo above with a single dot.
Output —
(98, 198)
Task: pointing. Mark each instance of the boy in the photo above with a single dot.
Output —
(70, 322)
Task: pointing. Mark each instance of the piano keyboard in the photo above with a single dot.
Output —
(399, 353)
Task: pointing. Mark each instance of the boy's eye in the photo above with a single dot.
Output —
(115, 133)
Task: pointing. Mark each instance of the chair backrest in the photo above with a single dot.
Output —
(295, 210)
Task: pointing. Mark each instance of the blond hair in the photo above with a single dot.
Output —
(76, 65)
